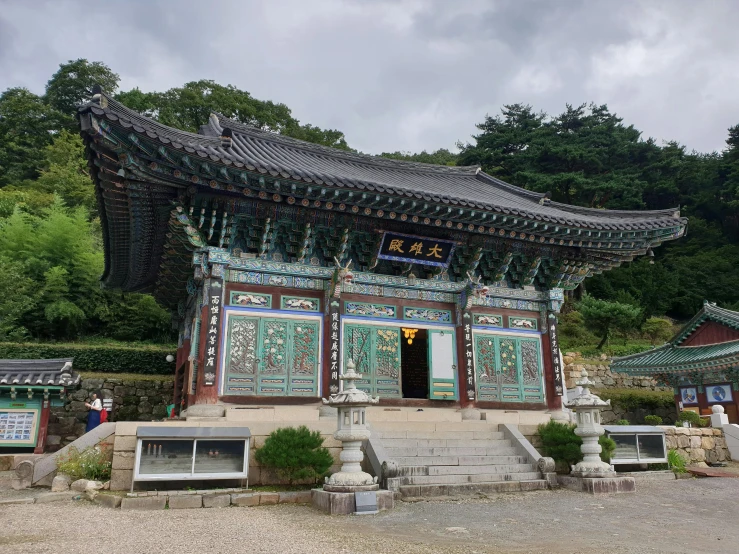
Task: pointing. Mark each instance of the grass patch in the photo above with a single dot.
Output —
(633, 399)
(281, 488)
(125, 377)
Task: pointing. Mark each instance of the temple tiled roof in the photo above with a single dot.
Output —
(38, 373)
(143, 170)
(673, 358)
(280, 156)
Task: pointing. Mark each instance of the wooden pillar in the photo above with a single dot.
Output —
(554, 400)
(43, 425)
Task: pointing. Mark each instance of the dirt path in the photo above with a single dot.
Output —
(690, 516)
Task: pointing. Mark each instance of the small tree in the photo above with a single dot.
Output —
(657, 330)
(604, 317)
(295, 454)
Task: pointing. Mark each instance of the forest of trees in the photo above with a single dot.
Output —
(50, 242)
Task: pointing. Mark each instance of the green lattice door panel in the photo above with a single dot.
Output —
(272, 356)
(242, 338)
(508, 369)
(376, 353)
(486, 366)
(304, 357)
(531, 371)
(442, 355)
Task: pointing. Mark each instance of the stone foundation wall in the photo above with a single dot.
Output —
(600, 373)
(133, 400)
(697, 445)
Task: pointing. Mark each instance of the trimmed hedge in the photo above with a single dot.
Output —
(148, 360)
(633, 399)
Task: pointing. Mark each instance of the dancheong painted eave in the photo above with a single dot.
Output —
(672, 358)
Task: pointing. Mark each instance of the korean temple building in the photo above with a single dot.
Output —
(701, 363)
(281, 260)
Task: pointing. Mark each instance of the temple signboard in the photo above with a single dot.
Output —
(556, 365)
(416, 250)
(212, 337)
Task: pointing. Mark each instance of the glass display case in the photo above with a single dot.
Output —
(182, 453)
(637, 444)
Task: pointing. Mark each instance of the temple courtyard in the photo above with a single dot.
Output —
(691, 516)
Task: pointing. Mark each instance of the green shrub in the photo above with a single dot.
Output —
(634, 399)
(690, 417)
(676, 461)
(295, 454)
(608, 447)
(623, 422)
(113, 359)
(560, 442)
(92, 463)
(653, 420)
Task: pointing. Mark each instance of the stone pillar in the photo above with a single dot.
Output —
(718, 417)
(587, 407)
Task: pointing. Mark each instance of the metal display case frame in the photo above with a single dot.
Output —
(636, 431)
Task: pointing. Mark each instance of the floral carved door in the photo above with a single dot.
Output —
(272, 356)
(509, 369)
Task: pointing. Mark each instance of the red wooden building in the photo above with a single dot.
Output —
(701, 362)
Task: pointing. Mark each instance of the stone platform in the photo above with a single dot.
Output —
(597, 485)
(343, 503)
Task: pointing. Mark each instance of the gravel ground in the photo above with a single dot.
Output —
(690, 516)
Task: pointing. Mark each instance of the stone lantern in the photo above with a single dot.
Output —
(352, 430)
(588, 407)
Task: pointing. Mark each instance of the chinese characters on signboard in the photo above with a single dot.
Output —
(415, 250)
(213, 332)
(469, 356)
(556, 363)
(334, 330)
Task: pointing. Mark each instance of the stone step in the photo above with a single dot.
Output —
(447, 451)
(443, 443)
(415, 491)
(454, 460)
(480, 470)
(408, 471)
(436, 435)
(465, 479)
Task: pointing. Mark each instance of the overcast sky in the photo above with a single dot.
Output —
(407, 75)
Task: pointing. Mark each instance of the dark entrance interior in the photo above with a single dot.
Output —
(414, 365)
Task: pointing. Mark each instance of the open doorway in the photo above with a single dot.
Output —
(414, 368)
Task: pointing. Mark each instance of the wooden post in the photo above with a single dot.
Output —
(43, 425)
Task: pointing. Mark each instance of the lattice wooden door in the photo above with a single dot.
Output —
(375, 351)
(508, 369)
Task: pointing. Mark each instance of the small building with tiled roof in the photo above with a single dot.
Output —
(28, 389)
(701, 362)
(281, 259)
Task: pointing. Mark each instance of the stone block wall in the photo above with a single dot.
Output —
(599, 371)
(697, 445)
(133, 400)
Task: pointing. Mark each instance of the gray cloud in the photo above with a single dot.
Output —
(407, 75)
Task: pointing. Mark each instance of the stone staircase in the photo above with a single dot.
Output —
(445, 458)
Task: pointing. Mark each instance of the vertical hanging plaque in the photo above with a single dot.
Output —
(334, 326)
(556, 365)
(213, 334)
(469, 359)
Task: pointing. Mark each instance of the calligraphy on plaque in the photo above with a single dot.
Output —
(556, 361)
(468, 354)
(416, 250)
(213, 332)
(334, 345)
